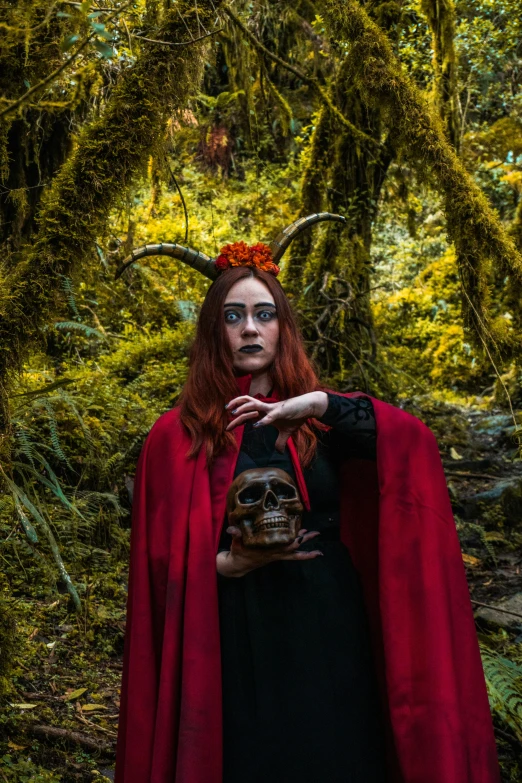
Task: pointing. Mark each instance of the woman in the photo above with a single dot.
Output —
(347, 656)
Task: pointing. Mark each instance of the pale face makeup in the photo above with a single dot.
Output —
(252, 326)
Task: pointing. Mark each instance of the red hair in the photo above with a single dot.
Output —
(211, 380)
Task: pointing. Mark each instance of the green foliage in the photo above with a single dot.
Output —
(25, 771)
(108, 155)
(415, 129)
(504, 684)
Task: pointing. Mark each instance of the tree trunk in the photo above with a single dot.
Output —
(109, 153)
(441, 19)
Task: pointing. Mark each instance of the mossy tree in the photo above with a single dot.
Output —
(484, 249)
(343, 175)
(441, 19)
(110, 151)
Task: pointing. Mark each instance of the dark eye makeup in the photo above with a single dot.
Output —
(263, 315)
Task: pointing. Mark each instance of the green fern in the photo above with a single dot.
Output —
(88, 331)
(53, 431)
(67, 399)
(109, 467)
(26, 446)
(67, 287)
(504, 685)
(93, 501)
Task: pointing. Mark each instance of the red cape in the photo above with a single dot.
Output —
(397, 522)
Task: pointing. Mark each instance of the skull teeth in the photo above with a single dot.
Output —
(277, 522)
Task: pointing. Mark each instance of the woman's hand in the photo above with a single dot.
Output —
(286, 415)
(239, 560)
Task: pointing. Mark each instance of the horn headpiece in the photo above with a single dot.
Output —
(208, 266)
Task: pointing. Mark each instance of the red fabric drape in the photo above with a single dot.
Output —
(397, 523)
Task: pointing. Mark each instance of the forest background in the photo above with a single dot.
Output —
(200, 123)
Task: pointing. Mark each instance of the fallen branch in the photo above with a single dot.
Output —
(465, 474)
(53, 732)
(497, 608)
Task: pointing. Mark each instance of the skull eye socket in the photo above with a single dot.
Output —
(255, 492)
(251, 494)
(283, 491)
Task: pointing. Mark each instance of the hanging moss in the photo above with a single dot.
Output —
(441, 19)
(281, 102)
(312, 197)
(34, 146)
(108, 154)
(476, 231)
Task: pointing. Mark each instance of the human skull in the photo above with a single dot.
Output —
(265, 504)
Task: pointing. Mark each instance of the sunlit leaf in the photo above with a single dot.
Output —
(470, 560)
(24, 706)
(104, 49)
(68, 42)
(75, 694)
(14, 746)
(107, 35)
(93, 707)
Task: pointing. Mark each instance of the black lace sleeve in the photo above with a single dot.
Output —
(353, 426)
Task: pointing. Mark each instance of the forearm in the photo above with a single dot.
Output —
(320, 403)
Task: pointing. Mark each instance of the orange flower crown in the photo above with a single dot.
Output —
(241, 254)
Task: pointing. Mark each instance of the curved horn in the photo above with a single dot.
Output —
(193, 258)
(282, 240)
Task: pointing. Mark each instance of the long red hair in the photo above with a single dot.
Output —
(211, 380)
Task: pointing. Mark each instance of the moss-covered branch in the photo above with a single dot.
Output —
(109, 153)
(481, 242)
(441, 19)
(312, 197)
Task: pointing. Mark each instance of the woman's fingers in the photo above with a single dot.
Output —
(303, 555)
(238, 401)
(241, 404)
(241, 419)
(245, 408)
(302, 537)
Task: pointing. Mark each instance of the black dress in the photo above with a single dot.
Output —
(300, 696)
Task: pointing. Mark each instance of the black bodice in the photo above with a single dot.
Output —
(300, 698)
(353, 434)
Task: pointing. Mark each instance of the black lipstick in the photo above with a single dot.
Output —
(251, 348)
